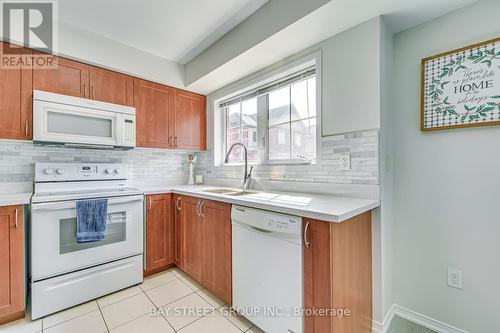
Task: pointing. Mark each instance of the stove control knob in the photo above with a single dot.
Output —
(108, 171)
(117, 171)
(60, 171)
(48, 171)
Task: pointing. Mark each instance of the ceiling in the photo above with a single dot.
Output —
(171, 29)
(328, 20)
(180, 31)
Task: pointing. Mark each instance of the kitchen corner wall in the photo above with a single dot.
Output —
(155, 166)
(447, 187)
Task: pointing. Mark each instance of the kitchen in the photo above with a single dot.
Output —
(225, 181)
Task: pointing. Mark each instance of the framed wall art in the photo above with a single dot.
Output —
(461, 88)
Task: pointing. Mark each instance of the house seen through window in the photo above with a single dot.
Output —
(277, 123)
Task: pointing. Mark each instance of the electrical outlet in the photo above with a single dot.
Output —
(455, 278)
(345, 162)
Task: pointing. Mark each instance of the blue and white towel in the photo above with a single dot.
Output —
(91, 220)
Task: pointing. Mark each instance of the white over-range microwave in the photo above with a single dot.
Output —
(78, 122)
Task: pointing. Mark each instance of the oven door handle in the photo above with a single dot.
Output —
(72, 204)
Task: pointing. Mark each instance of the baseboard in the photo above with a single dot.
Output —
(415, 317)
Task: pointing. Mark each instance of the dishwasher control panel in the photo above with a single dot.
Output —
(267, 221)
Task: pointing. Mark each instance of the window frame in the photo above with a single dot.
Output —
(220, 120)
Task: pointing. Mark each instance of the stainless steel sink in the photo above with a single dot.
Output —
(241, 193)
(221, 190)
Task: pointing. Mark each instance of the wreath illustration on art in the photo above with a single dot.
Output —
(441, 104)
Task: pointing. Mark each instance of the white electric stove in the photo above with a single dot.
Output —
(64, 272)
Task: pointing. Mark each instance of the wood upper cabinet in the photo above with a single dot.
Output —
(338, 274)
(217, 266)
(159, 232)
(176, 206)
(111, 87)
(189, 120)
(15, 103)
(153, 103)
(192, 238)
(69, 78)
(11, 263)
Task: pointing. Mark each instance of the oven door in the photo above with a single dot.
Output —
(55, 251)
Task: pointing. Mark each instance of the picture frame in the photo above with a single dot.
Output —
(461, 88)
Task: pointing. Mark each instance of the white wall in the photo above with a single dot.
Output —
(90, 48)
(351, 79)
(274, 16)
(387, 146)
(447, 188)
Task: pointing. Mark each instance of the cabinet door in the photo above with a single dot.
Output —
(192, 238)
(217, 273)
(111, 87)
(159, 232)
(69, 78)
(189, 123)
(15, 103)
(338, 274)
(153, 104)
(11, 263)
(317, 274)
(176, 206)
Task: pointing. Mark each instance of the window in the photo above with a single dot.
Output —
(276, 122)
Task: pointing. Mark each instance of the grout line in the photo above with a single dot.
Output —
(64, 321)
(105, 306)
(102, 316)
(161, 313)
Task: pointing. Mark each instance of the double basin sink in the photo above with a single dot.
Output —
(230, 191)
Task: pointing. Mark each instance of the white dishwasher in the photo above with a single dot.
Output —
(268, 269)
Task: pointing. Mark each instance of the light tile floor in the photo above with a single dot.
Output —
(132, 310)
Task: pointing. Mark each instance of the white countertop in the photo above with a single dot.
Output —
(11, 199)
(317, 206)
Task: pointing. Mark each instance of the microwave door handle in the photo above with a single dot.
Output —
(72, 204)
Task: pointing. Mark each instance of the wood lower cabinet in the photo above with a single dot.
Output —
(176, 203)
(154, 105)
(338, 274)
(15, 103)
(204, 243)
(11, 263)
(111, 87)
(191, 238)
(69, 78)
(217, 259)
(159, 233)
(189, 120)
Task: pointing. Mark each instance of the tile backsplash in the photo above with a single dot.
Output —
(17, 159)
(362, 146)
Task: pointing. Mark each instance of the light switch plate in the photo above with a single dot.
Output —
(345, 162)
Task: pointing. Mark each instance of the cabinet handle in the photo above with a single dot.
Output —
(16, 217)
(202, 209)
(92, 94)
(26, 126)
(306, 242)
(170, 141)
(150, 203)
(175, 142)
(177, 202)
(198, 208)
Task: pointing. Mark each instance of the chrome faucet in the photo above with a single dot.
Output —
(247, 177)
